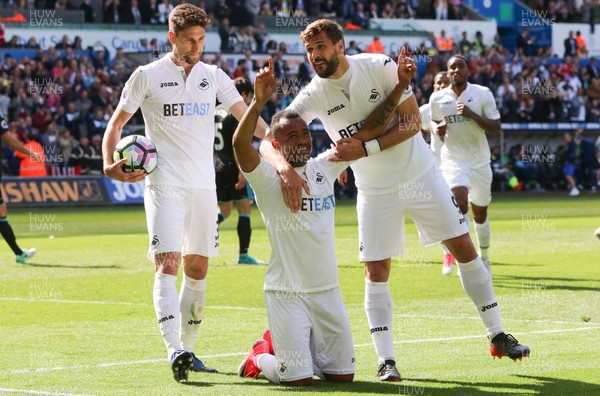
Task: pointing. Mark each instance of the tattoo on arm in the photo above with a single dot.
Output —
(382, 117)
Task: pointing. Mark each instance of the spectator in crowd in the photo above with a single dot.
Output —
(164, 9)
(32, 166)
(112, 9)
(581, 45)
(226, 34)
(525, 43)
(360, 18)
(88, 11)
(570, 165)
(221, 10)
(441, 9)
(353, 48)
(376, 46)
(570, 45)
(444, 44)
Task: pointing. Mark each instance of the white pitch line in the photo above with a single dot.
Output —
(447, 339)
(95, 302)
(38, 392)
(478, 318)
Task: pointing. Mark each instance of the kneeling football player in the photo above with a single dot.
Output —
(308, 322)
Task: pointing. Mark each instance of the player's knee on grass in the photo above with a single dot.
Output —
(378, 271)
(339, 377)
(300, 382)
(462, 248)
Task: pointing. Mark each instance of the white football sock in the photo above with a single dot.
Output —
(477, 283)
(267, 363)
(378, 305)
(192, 300)
(483, 237)
(166, 306)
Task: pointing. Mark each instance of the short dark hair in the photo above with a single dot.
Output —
(243, 85)
(279, 119)
(332, 30)
(187, 15)
(462, 58)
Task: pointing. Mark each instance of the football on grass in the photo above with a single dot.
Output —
(597, 232)
(140, 153)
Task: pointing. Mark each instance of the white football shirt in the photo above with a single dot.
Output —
(179, 112)
(372, 78)
(302, 244)
(435, 143)
(465, 140)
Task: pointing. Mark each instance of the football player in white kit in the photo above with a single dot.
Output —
(461, 115)
(391, 182)
(177, 95)
(309, 325)
(440, 81)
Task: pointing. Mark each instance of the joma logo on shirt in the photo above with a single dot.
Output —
(169, 84)
(336, 108)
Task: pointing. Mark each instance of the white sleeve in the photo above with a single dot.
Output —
(434, 110)
(331, 168)
(227, 94)
(134, 91)
(390, 78)
(490, 111)
(263, 178)
(425, 111)
(305, 104)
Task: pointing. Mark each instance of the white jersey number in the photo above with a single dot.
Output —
(219, 141)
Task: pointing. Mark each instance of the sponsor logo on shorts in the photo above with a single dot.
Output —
(361, 247)
(194, 322)
(165, 319)
(381, 328)
(282, 368)
(487, 307)
(155, 241)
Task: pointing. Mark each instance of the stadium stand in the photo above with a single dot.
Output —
(68, 92)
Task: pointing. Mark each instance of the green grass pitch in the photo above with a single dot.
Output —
(79, 318)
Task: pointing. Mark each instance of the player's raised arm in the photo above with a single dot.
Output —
(112, 135)
(264, 86)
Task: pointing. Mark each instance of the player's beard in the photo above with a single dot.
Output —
(332, 65)
(189, 60)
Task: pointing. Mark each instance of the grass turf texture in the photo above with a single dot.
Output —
(79, 318)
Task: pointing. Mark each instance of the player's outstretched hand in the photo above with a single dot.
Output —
(264, 85)
(115, 171)
(406, 67)
(348, 149)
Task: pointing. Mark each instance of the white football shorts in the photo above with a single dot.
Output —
(477, 178)
(181, 220)
(310, 327)
(428, 201)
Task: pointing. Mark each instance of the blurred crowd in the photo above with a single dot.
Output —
(64, 97)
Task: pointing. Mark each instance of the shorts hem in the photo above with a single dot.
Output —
(341, 372)
(444, 238)
(311, 375)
